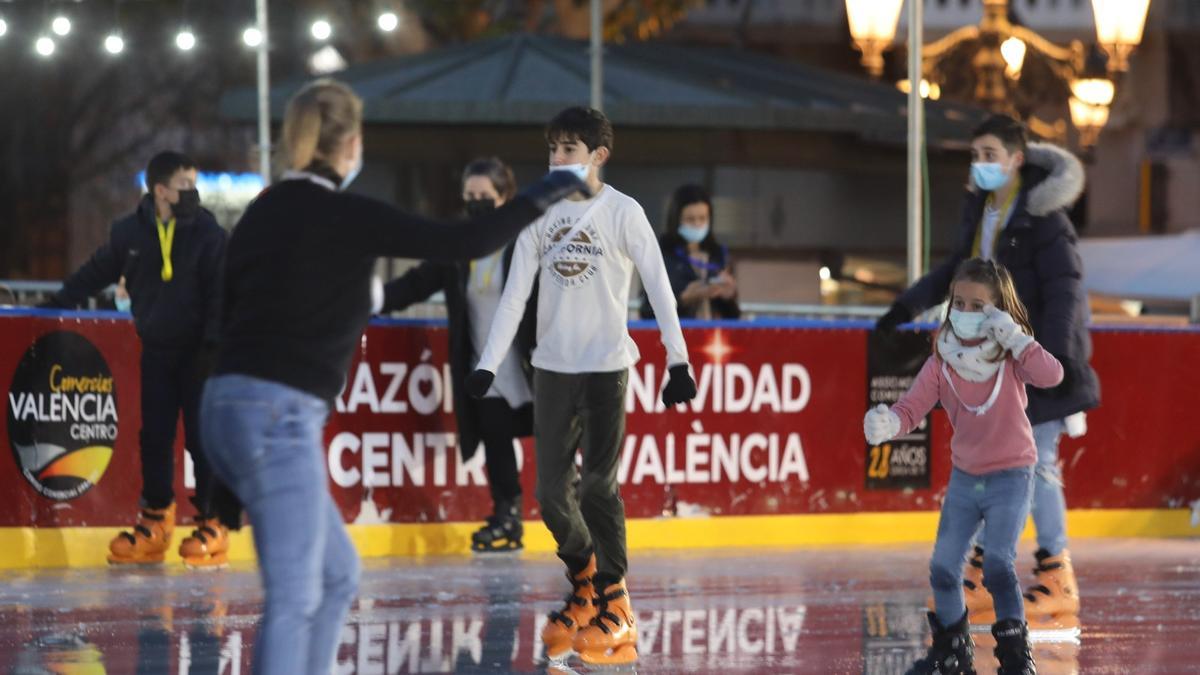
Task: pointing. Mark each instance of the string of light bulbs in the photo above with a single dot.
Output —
(60, 29)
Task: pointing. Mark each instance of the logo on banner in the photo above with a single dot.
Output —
(62, 415)
(893, 361)
(578, 261)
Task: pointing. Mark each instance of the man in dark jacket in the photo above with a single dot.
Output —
(170, 251)
(1015, 214)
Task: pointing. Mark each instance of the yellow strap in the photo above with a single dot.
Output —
(1001, 220)
(487, 275)
(166, 237)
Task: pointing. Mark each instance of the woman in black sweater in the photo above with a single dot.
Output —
(297, 298)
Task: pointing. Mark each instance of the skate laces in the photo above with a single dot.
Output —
(601, 603)
(203, 533)
(573, 598)
(1042, 568)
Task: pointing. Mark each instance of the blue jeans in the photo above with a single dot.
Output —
(266, 445)
(1049, 509)
(1049, 504)
(1001, 501)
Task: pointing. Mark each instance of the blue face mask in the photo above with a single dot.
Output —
(353, 172)
(989, 176)
(692, 234)
(124, 304)
(967, 325)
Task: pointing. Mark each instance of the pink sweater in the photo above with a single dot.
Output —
(1001, 438)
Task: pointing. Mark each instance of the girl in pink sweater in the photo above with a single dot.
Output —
(984, 355)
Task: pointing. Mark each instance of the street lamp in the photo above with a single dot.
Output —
(1090, 101)
(1119, 26)
(873, 26)
(1013, 50)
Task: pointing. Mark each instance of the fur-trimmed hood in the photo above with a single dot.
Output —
(1054, 179)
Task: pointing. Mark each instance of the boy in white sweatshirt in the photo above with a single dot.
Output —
(584, 251)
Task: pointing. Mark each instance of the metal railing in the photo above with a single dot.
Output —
(19, 293)
(30, 293)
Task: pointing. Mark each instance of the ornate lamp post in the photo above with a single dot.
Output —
(1119, 27)
(1090, 101)
(998, 51)
(873, 26)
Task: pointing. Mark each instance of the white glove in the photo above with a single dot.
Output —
(880, 425)
(1005, 331)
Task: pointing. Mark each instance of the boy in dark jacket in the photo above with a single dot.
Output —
(170, 252)
(1015, 214)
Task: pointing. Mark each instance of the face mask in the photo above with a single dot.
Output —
(967, 325)
(580, 170)
(188, 205)
(124, 304)
(693, 234)
(353, 172)
(479, 207)
(989, 176)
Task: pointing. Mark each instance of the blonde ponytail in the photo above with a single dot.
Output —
(318, 119)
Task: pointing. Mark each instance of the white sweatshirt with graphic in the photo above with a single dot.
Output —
(584, 287)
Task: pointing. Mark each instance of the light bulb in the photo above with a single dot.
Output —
(252, 36)
(185, 40)
(388, 22)
(44, 46)
(321, 30)
(61, 25)
(114, 44)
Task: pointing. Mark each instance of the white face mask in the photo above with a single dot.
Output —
(967, 325)
(580, 170)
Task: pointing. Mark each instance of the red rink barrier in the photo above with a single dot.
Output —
(776, 429)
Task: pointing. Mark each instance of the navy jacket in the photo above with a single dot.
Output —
(681, 274)
(1038, 247)
(428, 278)
(181, 313)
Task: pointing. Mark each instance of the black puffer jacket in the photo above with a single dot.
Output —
(181, 313)
(1038, 247)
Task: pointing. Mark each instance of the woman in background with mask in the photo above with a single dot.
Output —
(472, 292)
(699, 268)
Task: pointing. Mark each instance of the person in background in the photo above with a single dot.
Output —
(169, 252)
(699, 268)
(472, 292)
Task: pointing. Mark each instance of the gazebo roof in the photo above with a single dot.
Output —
(524, 79)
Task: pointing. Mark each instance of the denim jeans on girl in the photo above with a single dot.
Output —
(1000, 500)
(1049, 509)
(266, 445)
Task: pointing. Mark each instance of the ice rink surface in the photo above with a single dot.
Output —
(857, 610)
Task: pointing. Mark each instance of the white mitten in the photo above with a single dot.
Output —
(880, 425)
(1005, 331)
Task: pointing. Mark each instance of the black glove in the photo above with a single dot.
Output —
(895, 316)
(554, 187)
(479, 382)
(680, 388)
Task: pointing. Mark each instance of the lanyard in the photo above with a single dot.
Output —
(166, 237)
(490, 270)
(991, 400)
(1001, 220)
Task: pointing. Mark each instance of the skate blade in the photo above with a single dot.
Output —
(1049, 635)
(621, 659)
(506, 547)
(115, 561)
(209, 564)
(1067, 634)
